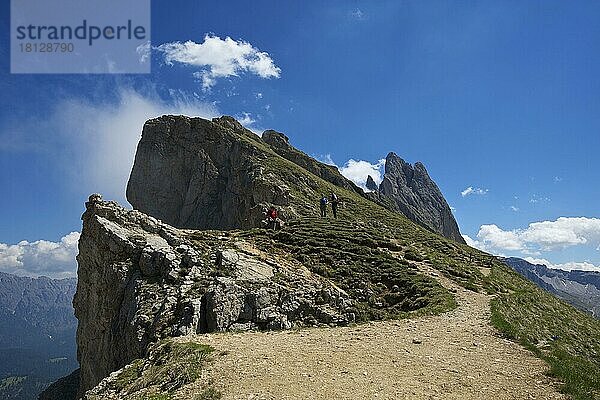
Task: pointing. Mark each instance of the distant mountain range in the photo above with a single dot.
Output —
(579, 288)
(37, 334)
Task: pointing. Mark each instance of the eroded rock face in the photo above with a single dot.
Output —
(141, 280)
(200, 174)
(417, 196)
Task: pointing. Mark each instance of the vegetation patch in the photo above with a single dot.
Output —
(169, 366)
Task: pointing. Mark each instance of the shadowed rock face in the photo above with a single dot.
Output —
(195, 173)
(417, 196)
(371, 185)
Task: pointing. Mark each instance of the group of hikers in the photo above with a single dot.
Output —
(272, 220)
(333, 199)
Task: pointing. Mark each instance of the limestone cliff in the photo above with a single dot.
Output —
(195, 173)
(141, 280)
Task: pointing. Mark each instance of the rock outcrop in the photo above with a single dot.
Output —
(141, 280)
(417, 196)
(200, 174)
(371, 185)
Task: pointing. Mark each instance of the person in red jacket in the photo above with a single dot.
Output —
(272, 220)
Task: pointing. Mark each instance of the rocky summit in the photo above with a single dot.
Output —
(200, 174)
(158, 272)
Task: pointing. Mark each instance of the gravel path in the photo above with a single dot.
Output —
(457, 355)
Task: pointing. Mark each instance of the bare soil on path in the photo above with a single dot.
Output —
(456, 355)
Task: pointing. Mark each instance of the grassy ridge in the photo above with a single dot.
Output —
(359, 260)
(566, 338)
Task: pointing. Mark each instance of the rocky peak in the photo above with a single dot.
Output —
(417, 196)
(371, 185)
(229, 122)
(276, 139)
(200, 174)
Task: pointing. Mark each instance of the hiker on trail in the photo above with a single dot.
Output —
(272, 220)
(323, 204)
(334, 204)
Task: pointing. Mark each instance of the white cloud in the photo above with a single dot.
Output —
(494, 237)
(95, 143)
(540, 237)
(245, 119)
(325, 159)
(259, 95)
(106, 136)
(358, 14)
(514, 208)
(42, 257)
(557, 179)
(538, 199)
(568, 266)
(144, 52)
(473, 191)
(358, 171)
(220, 58)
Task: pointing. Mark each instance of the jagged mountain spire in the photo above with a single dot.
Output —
(418, 197)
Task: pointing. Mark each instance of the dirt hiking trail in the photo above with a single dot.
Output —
(457, 355)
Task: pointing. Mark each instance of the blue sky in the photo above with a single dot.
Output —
(502, 98)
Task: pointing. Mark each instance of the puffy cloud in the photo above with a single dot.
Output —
(357, 14)
(540, 236)
(245, 119)
(568, 266)
(96, 142)
(220, 58)
(42, 257)
(325, 159)
(564, 232)
(494, 237)
(358, 171)
(473, 191)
